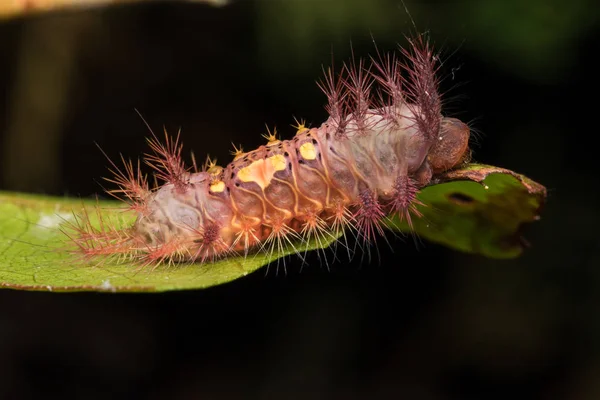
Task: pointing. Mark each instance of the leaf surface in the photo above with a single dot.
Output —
(478, 209)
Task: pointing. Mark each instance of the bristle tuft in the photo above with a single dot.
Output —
(359, 85)
(280, 238)
(247, 235)
(167, 160)
(315, 229)
(337, 102)
(369, 216)
(422, 84)
(105, 239)
(210, 244)
(166, 254)
(404, 202)
(342, 221)
(389, 98)
(133, 185)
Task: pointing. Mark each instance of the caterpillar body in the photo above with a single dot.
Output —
(383, 141)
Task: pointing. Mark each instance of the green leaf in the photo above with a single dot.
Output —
(34, 253)
(461, 213)
(478, 209)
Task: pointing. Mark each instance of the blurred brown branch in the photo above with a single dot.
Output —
(14, 8)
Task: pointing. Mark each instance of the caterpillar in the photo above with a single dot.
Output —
(384, 140)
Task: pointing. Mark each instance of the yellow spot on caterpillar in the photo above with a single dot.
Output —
(278, 162)
(307, 151)
(237, 153)
(245, 174)
(261, 171)
(271, 137)
(217, 186)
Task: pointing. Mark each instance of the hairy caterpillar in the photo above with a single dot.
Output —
(384, 140)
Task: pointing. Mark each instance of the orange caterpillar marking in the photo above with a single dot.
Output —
(384, 140)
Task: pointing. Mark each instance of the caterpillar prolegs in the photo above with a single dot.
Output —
(383, 141)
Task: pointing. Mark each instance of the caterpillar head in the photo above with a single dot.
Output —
(451, 147)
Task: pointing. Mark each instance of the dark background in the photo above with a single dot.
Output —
(423, 322)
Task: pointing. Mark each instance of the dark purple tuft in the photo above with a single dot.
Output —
(421, 85)
(359, 85)
(369, 215)
(404, 201)
(210, 242)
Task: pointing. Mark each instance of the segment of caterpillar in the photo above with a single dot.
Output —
(384, 140)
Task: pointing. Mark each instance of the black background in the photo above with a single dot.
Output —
(423, 321)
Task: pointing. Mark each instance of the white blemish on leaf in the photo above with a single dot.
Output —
(106, 285)
(53, 221)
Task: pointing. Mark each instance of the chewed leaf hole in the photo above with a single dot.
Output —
(460, 198)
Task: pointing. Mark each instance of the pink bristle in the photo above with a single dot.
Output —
(133, 185)
(209, 242)
(369, 216)
(280, 236)
(359, 85)
(315, 228)
(337, 102)
(404, 201)
(104, 240)
(167, 161)
(421, 85)
(342, 220)
(388, 74)
(165, 253)
(246, 237)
